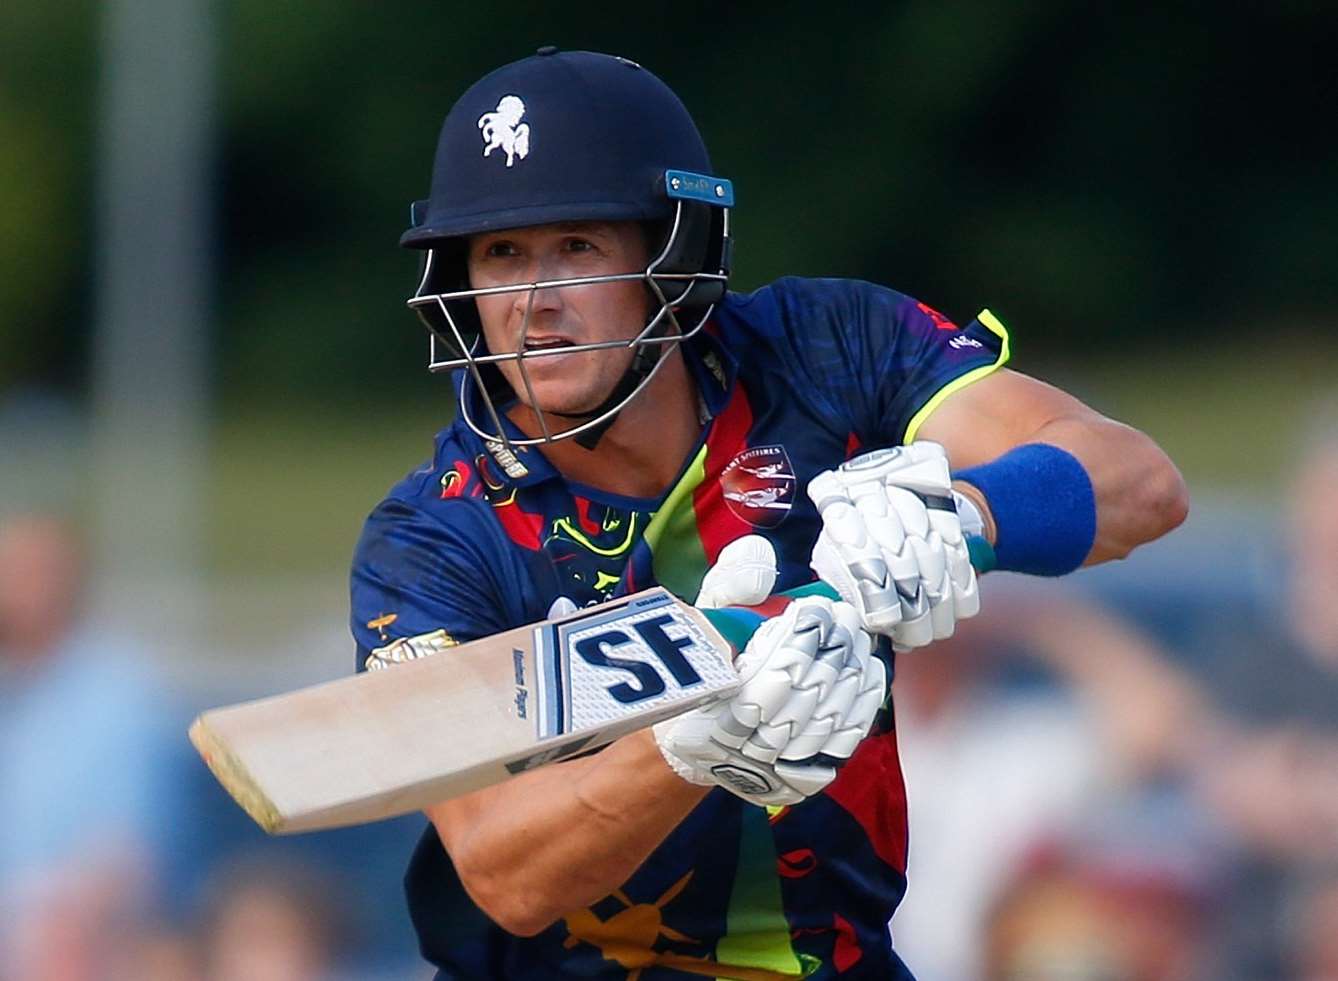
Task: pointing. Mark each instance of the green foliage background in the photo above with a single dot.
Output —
(1104, 179)
(1145, 193)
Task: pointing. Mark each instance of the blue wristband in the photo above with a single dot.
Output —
(1043, 505)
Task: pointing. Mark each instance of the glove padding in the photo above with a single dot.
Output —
(810, 690)
(892, 544)
(744, 574)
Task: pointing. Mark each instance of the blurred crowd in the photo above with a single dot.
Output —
(116, 860)
(120, 858)
(1129, 778)
(1098, 794)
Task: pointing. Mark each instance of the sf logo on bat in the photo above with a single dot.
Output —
(598, 668)
(598, 650)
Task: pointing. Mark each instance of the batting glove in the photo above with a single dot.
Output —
(744, 574)
(811, 687)
(892, 543)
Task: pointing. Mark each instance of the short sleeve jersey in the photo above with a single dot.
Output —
(796, 377)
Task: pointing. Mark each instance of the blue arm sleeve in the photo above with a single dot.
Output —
(1044, 508)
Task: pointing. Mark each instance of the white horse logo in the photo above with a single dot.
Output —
(504, 129)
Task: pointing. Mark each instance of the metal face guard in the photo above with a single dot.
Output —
(452, 346)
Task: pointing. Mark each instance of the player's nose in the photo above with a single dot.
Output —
(545, 299)
(534, 309)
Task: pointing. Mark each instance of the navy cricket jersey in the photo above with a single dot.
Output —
(797, 377)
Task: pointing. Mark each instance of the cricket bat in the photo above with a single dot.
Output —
(384, 743)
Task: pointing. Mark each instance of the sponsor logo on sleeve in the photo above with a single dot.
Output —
(409, 649)
(759, 485)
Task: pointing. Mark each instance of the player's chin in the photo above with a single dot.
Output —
(568, 397)
(581, 403)
(568, 390)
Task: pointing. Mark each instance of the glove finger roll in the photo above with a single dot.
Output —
(808, 778)
(910, 509)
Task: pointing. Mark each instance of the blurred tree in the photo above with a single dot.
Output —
(1100, 176)
(46, 87)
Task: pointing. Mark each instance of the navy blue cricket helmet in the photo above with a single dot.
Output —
(570, 136)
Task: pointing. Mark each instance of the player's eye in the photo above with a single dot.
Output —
(575, 244)
(500, 249)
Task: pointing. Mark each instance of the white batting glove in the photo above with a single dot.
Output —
(744, 574)
(811, 688)
(892, 544)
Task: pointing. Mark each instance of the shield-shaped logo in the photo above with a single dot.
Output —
(759, 485)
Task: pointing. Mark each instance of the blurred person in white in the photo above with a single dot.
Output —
(84, 785)
(1244, 732)
(994, 768)
(1273, 774)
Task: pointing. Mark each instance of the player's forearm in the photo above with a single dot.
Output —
(560, 838)
(1133, 492)
(1064, 485)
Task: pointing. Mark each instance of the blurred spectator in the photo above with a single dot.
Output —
(1279, 665)
(1243, 734)
(1271, 771)
(988, 771)
(1314, 548)
(1311, 924)
(996, 763)
(84, 789)
(273, 921)
(1108, 906)
(156, 952)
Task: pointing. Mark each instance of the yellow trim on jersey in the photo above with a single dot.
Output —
(565, 524)
(975, 374)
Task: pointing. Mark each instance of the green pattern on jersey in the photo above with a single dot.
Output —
(677, 554)
(756, 931)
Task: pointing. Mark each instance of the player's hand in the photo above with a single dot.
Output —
(892, 544)
(811, 688)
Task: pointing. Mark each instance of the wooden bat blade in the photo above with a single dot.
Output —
(384, 743)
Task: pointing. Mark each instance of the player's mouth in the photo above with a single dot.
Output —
(547, 343)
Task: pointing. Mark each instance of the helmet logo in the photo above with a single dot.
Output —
(504, 130)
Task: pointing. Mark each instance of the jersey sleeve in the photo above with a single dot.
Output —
(415, 573)
(928, 360)
(878, 361)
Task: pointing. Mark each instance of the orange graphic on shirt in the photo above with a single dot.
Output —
(628, 938)
(381, 623)
(940, 321)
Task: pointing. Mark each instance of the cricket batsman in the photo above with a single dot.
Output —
(625, 420)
